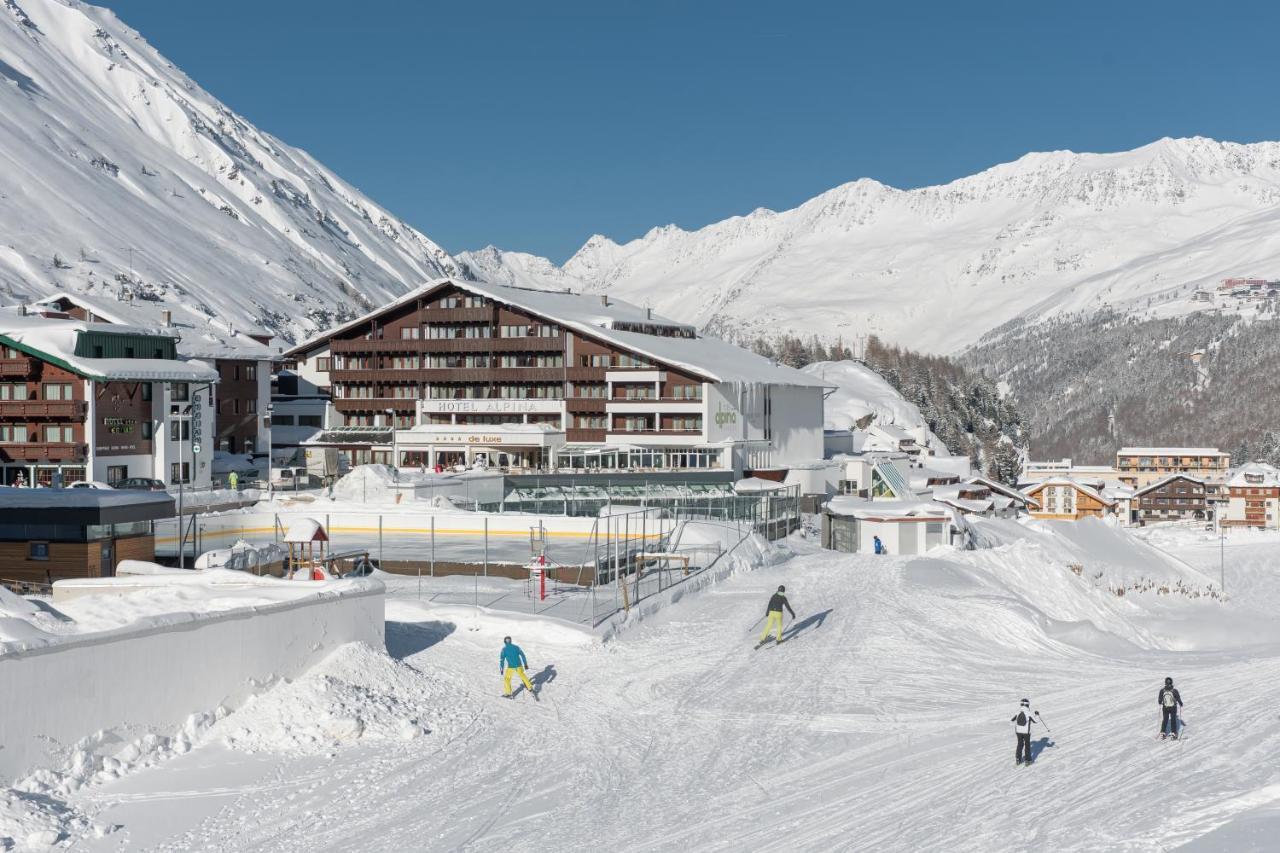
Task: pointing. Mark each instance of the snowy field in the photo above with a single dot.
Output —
(883, 724)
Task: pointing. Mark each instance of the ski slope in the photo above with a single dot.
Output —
(883, 724)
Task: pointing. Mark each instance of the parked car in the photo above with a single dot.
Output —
(142, 483)
(88, 484)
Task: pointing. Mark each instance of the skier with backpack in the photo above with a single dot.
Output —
(774, 615)
(1022, 722)
(1170, 701)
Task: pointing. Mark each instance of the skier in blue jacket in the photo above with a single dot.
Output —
(512, 660)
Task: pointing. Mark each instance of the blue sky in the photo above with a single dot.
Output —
(533, 125)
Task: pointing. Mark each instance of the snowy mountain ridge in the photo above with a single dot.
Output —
(119, 174)
(935, 268)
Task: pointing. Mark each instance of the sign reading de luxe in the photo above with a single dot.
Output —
(491, 407)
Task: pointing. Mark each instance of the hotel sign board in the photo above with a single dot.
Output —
(492, 407)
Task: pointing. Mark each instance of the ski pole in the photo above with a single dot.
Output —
(1043, 723)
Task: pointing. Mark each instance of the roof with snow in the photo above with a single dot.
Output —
(869, 510)
(306, 530)
(84, 506)
(717, 360)
(1165, 480)
(1255, 474)
(1076, 484)
(198, 334)
(56, 341)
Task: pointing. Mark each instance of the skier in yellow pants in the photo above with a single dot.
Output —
(774, 613)
(512, 660)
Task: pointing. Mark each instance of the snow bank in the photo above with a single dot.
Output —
(356, 693)
(169, 660)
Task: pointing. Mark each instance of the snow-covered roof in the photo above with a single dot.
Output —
(756, 484)
(1076, 484)
(999, 488)
(198, 335)
(55, 340)
(1255, 474)
(1170, 451)
(1161, 482)
(40, 505)
(712, 358)
(892, 431)
(852, 507)
(306, 530)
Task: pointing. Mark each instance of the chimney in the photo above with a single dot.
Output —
(648, 313)
(604, 299)
(166, 318)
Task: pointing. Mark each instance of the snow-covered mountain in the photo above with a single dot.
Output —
(935, 268)
(105, 147)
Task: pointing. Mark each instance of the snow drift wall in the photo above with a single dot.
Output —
(148, 679)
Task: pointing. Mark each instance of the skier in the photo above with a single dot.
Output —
(1022, 722)
(1169, 701)
(774, 613)
(512, 660)
(879, 546)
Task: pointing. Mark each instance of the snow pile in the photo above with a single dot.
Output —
(356, 693)
(375, 484)
(861, 392)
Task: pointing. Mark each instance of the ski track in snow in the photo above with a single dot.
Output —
(883, 726)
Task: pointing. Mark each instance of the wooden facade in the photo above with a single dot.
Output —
(1066, 500)
(1176, 498)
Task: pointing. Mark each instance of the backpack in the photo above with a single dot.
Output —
(1166, 698)
(1022, 718)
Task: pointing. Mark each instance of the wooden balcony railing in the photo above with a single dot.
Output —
(43, 452)
(74, 409)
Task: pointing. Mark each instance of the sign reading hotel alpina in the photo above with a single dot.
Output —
(496, 407)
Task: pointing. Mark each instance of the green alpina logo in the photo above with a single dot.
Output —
(725, 416)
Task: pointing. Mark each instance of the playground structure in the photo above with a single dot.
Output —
(302, 537)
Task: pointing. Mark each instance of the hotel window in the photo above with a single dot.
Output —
(179, 430)
(147, 430)
(633, 423)
(10, 434)
(324, 365)
(590, 390)
(13, 392)
(688, 423)
(57, 391)
(546, 330)
(180, 392)
(514, 331)
(636, 392)
(591, 422)
(251, 372)
(54, 434)
(146, 392)
(404, 362)
(251, 406)
(598, 360)
(625, 360)
(686, 392)
(180, 472)
(410, 333)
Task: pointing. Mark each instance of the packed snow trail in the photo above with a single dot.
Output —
(881, 724)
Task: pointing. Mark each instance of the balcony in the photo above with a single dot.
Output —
(16, 368)
(457, 315)
(43, 409)
(375, 405)
(29, 451)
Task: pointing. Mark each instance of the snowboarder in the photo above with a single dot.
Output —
(512, 660)
(1022, 722)
(879, 546)
(774, 615)
(1169, 701)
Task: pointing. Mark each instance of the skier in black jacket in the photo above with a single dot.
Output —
(774, 614)
(1022, 723)
(1170, 701)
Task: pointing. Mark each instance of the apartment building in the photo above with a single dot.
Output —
(527, 380)
(244, 362)
(1253, 497)
(82, 400)
(1142, 466)
(1179, 497)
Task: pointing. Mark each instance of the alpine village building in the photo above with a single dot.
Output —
(531, 381)
(91, 401)
(1253, 497)
(1179, 497)
(1059, 498)
(244, 362)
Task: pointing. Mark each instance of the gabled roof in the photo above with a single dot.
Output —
(714, 359)
(1269, 474)
(1158, 483)
(1001, 488)
(199, 336)
(1075, 484)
